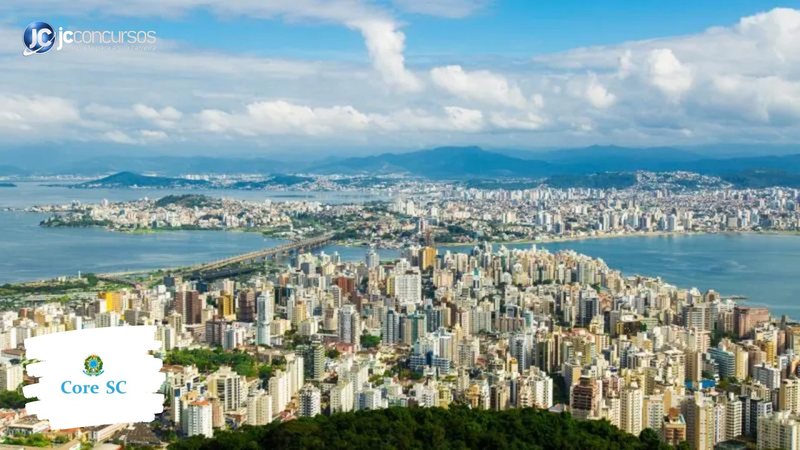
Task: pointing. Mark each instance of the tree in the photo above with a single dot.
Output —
(650, 439)
(370, 341)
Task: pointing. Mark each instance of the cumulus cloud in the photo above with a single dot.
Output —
(597, 94)
(481, 85)
(119, 137)
(164, 118)
(732, 82)
(24, 113)
(668, 73)
(385, 44)
(281, 117)
(524, 122)
(383, 38)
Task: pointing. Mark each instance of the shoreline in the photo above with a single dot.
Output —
(553, 240)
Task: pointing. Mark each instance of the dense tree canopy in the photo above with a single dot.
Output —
(429, 428)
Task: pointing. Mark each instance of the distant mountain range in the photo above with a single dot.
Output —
(442, 162)
(448, 163)
(473, 162)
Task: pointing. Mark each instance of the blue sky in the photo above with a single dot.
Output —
(361, 75)
(514, 27)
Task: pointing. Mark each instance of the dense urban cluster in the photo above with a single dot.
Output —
(452, 214)
(492, 329)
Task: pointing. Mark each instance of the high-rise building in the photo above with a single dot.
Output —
(391, 327)
(226, 385)
(733, 417)
(520, 349)
(673, 428)
(779, 430)
(10, 376)
(215, 331)
(310, 399)
(313, 360)
(198, 419)
(745, 319)
(349, 325)
(413, 326)
(246, 308)
(265, 312)
(631, 403)
(767, 375)
(225, 306)
(754, 408)
(789, 395)
(427, 258)
(586, 396)
(408, 286)
(189, 305)
(372, 258)
(259, 408)
(589, 307)
(698, 410)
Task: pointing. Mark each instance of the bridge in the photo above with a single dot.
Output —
(257, 256)
(225, 267)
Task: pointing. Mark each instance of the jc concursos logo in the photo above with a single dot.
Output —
(39, 37)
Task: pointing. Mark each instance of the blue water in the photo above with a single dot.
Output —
(764, 268)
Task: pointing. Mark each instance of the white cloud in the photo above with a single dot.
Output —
(284, 118)
(480, 85)
(119, 137)
(597, 94)
(453, 9)
(383, 38)
(164, 118)
(24, 113)
(385, 44)
(156, 135)
(626, 66)
(735, 82)
(525, 122)
(668, 73)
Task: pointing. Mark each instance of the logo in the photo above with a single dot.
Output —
(93, 366)
(73, 395)
(38, 37)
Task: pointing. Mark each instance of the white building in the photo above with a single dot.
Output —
(198, 419)
(10, 376)
(259, 408)
(310, 401)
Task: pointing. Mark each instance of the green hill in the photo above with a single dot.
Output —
(430, 428)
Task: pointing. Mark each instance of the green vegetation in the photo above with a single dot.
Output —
(758, 179)
(13, 399)
(33, 440)
(83, 222)
(89, 282)
(370, 341)
(423, 428)
(208, 360)
(187, 201)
